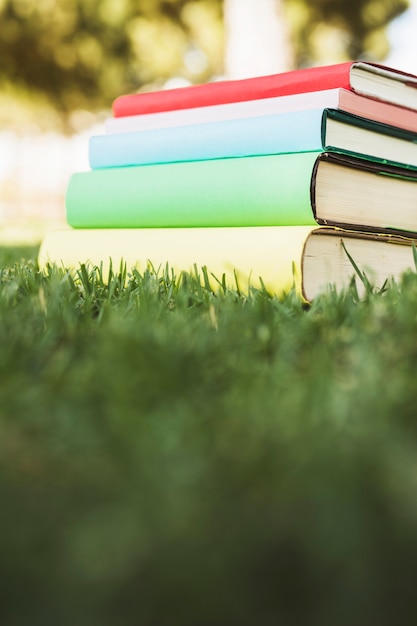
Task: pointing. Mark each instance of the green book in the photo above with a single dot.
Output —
(279, 190)
(249, 191)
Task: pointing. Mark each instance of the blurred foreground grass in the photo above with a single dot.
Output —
(173, 457)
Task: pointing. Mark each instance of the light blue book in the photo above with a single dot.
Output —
(282, 133)
(297, 131)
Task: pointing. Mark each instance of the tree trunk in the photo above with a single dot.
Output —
(257, 40)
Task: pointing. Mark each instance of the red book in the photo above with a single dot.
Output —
(368, 79)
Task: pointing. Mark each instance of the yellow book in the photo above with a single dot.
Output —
(280, 257)
(242, 253)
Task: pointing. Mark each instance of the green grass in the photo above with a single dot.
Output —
(170, 456)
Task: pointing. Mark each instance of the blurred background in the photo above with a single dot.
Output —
(63, 62)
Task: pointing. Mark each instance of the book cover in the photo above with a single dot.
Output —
(279, 190)
(225, 91)
(368, 79)
(294, 131)
(309, 259)
(342, 99)
(230, 111)
(246, 255)
(251, 191)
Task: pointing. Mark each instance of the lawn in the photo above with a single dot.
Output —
(174, 457)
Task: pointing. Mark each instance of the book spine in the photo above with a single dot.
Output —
(222, 112)
(297, 131)
(250, 191)
(257, 256)
(287, 83)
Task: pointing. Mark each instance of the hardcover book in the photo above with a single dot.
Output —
(309, 259)
(368, 79)
(342, 99)
(333, 257)
(285, 189)
(240, 257)
(295, 131)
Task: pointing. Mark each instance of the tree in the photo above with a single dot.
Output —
(84, 53)
(266, 36)
(325, 29)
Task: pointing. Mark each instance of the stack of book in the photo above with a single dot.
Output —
(291, 178)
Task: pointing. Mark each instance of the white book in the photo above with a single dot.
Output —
(328, 98)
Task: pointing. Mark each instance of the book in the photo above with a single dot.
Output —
(368, 79)
(279, 258)
(364, 195)
(342, 99)
(242, 255)
(251, 191)
(294, 131)
(276, 190)
(331, 257)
